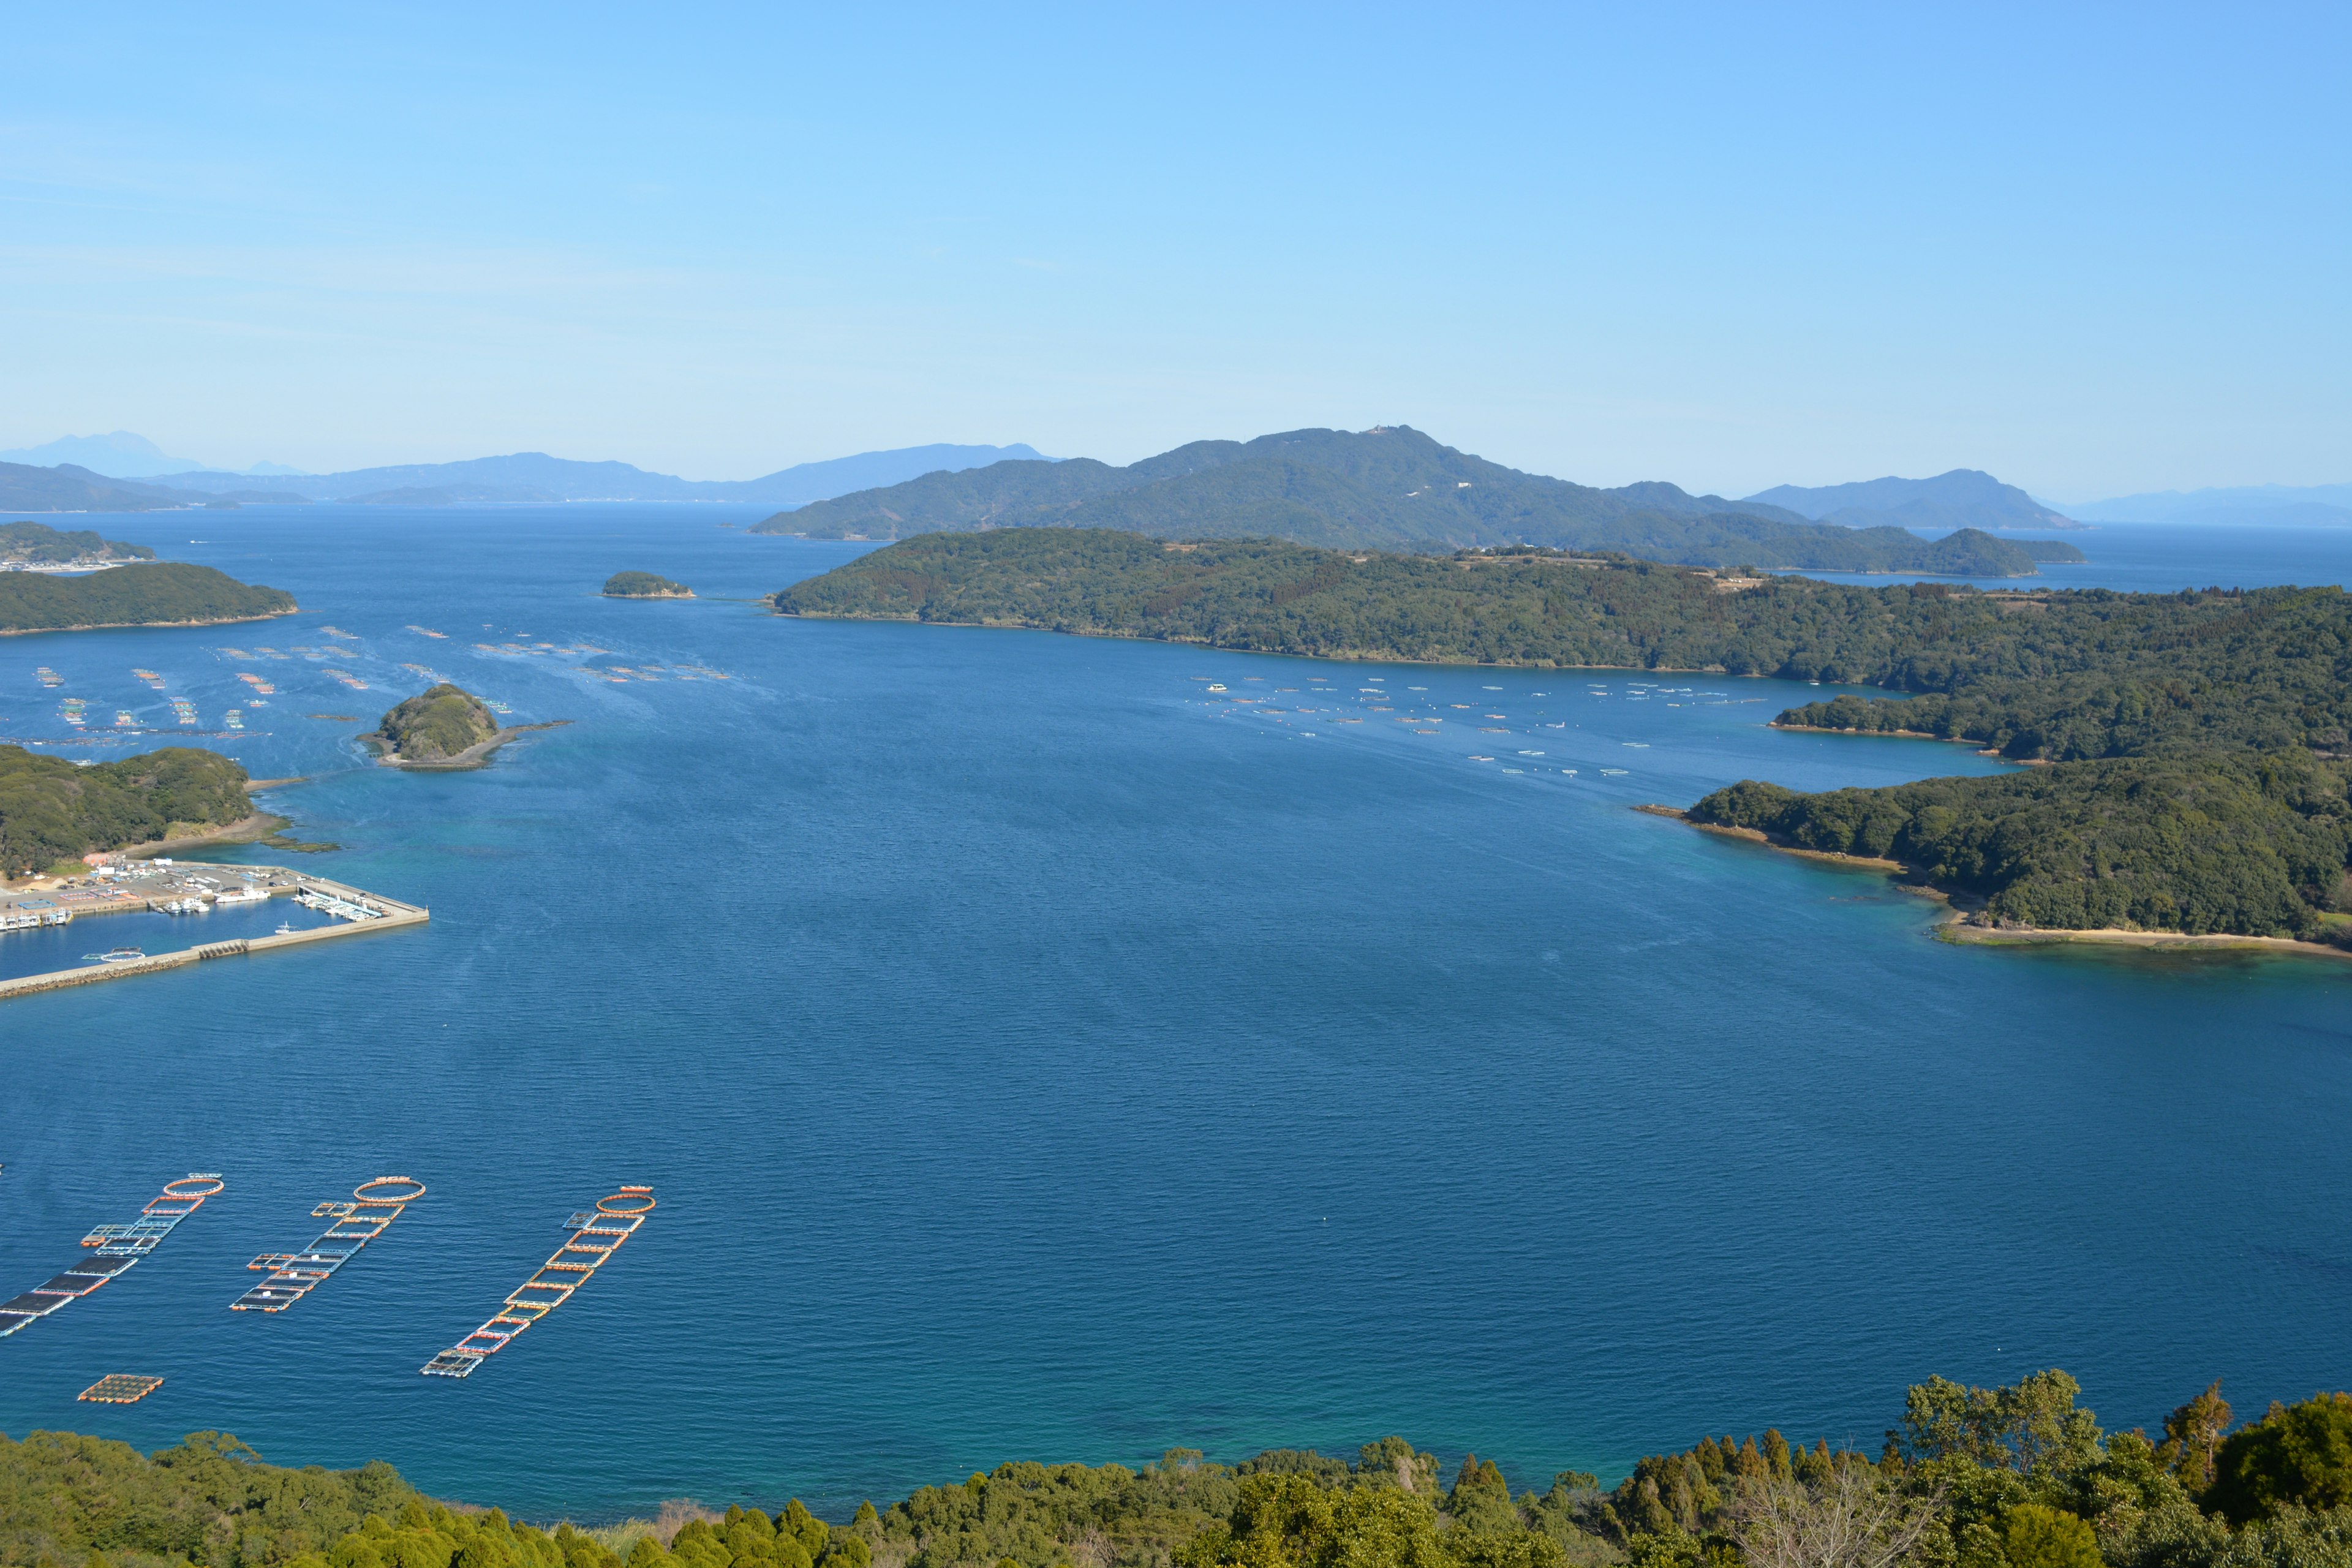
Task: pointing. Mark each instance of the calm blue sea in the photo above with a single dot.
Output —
(1038, 1054)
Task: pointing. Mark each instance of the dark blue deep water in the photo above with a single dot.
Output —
(1037, 1054)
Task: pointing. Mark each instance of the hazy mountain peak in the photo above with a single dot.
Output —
(117, 454)
(1962, 498)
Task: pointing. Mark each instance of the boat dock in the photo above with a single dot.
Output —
(293, 1275)
(595, 1236)
(114, 1249)
(155, 885)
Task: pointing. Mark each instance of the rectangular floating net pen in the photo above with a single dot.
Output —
(595, 1236)
(293, 1275)
(113, 1249)
(121, 1388)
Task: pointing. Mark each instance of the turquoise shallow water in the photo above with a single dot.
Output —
(1037, 1056)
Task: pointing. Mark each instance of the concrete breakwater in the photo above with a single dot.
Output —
(376, 913)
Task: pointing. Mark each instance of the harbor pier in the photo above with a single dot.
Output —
(161, 887)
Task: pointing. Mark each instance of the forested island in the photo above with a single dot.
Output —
(1393, 488)
(443, 725)
(2019, 1477)
(643, 585)
(37, 544)
(51, 811)
(151, 594)
(2197, 740)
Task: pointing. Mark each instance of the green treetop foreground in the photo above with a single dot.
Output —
(51, 810)
(436, 725)
(1974, 1478)
(151, 594)
(2200, 738)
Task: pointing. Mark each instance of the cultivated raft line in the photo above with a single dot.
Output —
(293, 1275)
(113, 1249)
(596, 1236)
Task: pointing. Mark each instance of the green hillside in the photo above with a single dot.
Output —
(168, 593)
(51, 810)
(40, 545)
(2053, 675)
(2017, 1477)
(69, 488)
(2201, 738)
(1390, 489)
(2249, 845)
(436, 725)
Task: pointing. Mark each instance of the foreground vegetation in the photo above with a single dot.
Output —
(1391, 488)
(2199, 738)
(151, 593)
(51, 810)
(1974, 1478)
(435, 725)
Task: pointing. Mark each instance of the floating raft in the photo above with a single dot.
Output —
(121, 1388)
(595, 1236)
(113, 1249)
(293, 1275)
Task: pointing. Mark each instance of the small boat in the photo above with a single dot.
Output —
(115, 955)
(285, 930)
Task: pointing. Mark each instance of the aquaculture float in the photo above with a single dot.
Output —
(293, 1275)
(113, 1249)
(595, 1236)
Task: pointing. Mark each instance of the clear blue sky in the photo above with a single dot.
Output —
(2091, 250)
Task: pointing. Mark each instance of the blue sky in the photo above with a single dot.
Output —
(2094, 250)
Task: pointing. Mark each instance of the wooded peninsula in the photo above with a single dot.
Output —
(51, 810)
(150, 594)
(2197, 742)
(2018, 1477)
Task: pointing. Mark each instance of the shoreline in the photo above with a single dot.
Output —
(144, 626)
(1348, 658)
(476, 756)
(1954, 926)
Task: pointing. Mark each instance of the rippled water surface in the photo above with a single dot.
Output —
(1037, 1055)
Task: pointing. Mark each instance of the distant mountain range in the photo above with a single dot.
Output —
(1392, 488)
(523, 478)
(2325, 505)
(118, 455)
(1965, 498)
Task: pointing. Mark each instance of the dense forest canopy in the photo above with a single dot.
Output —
(2085, 673)
(51, 810)
(2199, 736)
(2245, 844)
(1395, 488)
(169, 593)
(436, 724)
(45, 546)
(2018, 1477)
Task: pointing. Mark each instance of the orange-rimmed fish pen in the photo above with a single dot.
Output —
(595, 1236)
(293, 1275)
(113, 1249)
(121, 1388)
